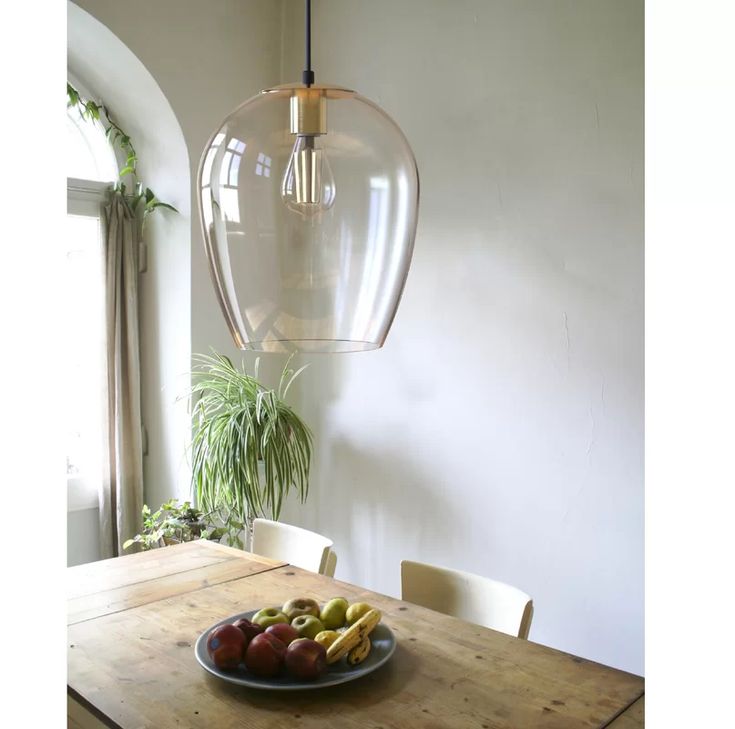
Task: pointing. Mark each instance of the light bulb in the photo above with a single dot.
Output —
(308, 185)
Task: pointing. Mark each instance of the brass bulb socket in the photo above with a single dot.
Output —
(308, 112)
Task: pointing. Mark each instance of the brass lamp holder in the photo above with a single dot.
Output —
(308, 112)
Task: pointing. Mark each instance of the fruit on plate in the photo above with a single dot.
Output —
(326, 637)
(356, 611)
(306, 659)
(353, 636)
(334, 612)
(307, 626)
(269, 616)
(249, 630)
(358, 654)
(226, 645)
(284, 632)
(301, 606)
(264, 655)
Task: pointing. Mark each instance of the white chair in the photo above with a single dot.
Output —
(470, 597)
(331, 563)
(292, 544)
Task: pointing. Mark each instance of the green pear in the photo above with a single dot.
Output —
(334, 612)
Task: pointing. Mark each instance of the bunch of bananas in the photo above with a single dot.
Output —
(355, 641)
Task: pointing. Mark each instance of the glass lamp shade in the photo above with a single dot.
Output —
(309, 202)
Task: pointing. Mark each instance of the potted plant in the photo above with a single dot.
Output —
(249, 448)
(173, 524)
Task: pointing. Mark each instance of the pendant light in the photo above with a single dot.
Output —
(308, 196)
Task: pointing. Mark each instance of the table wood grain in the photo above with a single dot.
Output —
(131, 658)
(631, 718)
(147, 577)
(109, 574)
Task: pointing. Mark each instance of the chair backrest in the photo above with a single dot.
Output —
(292, 544)
(467, 596)
(331, 563)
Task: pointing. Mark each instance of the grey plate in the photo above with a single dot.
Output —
(383, 640)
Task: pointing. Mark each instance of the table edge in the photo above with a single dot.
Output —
(88, 706)
(623, 711)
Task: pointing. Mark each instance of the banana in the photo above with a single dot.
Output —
(353, 636)
(359, 654)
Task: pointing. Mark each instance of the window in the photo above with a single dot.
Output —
(91, 168)
(84, 388)
(88, 153)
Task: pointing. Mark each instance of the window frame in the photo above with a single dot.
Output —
(85, 198)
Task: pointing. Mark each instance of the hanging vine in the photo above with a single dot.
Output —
(99, 113)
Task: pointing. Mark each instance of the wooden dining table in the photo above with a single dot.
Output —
(133, 622)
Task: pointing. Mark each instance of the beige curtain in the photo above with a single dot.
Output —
(121, 498)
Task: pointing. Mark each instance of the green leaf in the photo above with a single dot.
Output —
(72, 95)
(126, 171)
(92, 110)
(149, 196)
(159, 204)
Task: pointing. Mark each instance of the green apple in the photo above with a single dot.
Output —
(307, 626)
(356, 611)
(269, 616)
(300, 606)
(334, 612)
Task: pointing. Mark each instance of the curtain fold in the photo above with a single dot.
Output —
(121, 496)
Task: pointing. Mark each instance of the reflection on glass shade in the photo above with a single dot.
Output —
(308, 199)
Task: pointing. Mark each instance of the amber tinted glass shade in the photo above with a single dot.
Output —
(309, 208)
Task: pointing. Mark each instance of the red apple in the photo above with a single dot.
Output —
(226, 645)
(284, 632)
(249, 630)
(306, 659)
(264, 655)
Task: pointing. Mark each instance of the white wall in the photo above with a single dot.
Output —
(501, 428)
(83, 536)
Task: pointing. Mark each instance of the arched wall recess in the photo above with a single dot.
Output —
(113, 73)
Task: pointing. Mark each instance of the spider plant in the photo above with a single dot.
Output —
(249, 448)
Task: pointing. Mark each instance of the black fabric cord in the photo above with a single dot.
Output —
(307, 77)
